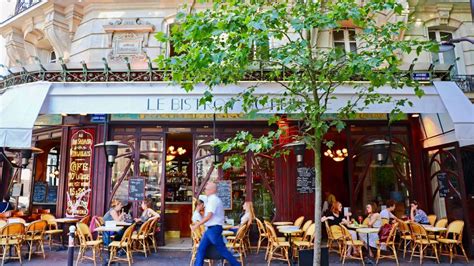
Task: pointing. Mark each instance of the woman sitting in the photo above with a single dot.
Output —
(387, 213)
(114, 214)
(375, 221)
(247, 218)
(418, 215)
(335, 217)
(198, 211)
(148, 212)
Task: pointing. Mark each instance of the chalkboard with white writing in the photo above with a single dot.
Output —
(136, 189)
(39, 191)
(52, 194)
(305, 180)
(224, 192)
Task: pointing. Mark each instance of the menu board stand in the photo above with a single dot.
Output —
(136, 188)
(224, 192)
(305, 180)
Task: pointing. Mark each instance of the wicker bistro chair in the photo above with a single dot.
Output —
(385, 221)
(86, 220)
(422, 242)
(52, 229)
(299, 221)
(432, 219)
(389, 244)
(11, 235)
(123, 244)
(262, 234)
(335, 235)
(35, 235)
(153, 228)
(306, 242)
(440, 223)
(140, 238)
(237, 242)
(196, 236)
(305, 226)
(453, 239)
(405, 237)
(86, 241)
(349, 242)
(2, 223)
(278, 249)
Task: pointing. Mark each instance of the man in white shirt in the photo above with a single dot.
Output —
(387, 212)
(213, 219)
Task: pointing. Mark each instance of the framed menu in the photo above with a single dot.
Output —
(305, 180)
(136, 188)
(224, 192)
(39, 191)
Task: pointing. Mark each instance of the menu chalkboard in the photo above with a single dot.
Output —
(52, 194)
(224, 192)
(136, 188)
(39, 192)
(443, 187)
(305, 180)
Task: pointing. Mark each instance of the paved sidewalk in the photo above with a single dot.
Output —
(178, 258)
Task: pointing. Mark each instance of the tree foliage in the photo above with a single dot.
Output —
(226, 41)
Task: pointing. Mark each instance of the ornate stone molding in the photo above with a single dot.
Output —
(14, 45)
(56, 30)
(444, 13)
(127, 38)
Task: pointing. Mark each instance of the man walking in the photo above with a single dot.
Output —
(213, 219)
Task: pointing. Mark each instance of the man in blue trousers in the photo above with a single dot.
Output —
(213, 219)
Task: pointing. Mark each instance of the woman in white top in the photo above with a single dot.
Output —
(197, 216)
(248, 216)
(375, 221)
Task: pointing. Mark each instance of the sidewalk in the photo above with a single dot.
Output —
(178, 258)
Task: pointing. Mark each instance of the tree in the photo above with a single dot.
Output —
(228, 39)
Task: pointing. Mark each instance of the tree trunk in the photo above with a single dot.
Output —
(317, 202)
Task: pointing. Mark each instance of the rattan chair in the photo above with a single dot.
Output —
(11, 235)
(196, 236)
(153, 228)
(139, 239)
(349, 242)
(262, 233)
(86, 241)
(35, 235)
(422, 242)
(123, 244)
(440, 223)
(12, 220)
(306, 242)
(278, 249)
(405, 237)
(453, 239)
(52, 229)
(2, 223)
(432, 219)
(389, 244)
(86, 220)
(334, 236)
(237, 242)
(299, 221)
(385, 221)
(299, 236)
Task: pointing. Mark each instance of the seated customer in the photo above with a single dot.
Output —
(148, 212)
(5, 205)
(114, 214)
(197, 214)
(334, 216)
(387, 212)
(375, 221)
(418, 215)
(247, 218)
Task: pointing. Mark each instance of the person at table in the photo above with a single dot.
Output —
(247, 218)
(198, 210)
(335, 216)
(387, 213)
(148, 212)
(213, 219)
(329, 200)
(374, 221)
(5, 205)
(417, 215)
(114, 214)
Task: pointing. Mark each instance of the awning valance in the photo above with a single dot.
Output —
(19, 108)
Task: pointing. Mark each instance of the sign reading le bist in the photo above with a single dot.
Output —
(80, 169)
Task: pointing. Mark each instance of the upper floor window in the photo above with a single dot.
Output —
(52, 57)
(345, 39)
(448, 57)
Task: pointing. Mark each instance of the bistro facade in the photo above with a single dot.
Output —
(80, 102)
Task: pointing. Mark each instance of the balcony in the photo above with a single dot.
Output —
(23, 5)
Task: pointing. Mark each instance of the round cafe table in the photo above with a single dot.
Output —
(227, 233)
(64, 222)
(367, 231)
(282, 223)
(288, 231)
(226, 226)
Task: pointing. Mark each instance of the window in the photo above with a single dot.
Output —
(345, 39)
(52, 57)
(448, 57)
(171, 29)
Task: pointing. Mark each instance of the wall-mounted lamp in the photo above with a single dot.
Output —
(299, 148)
(449, 45)
(26, 154)
(214, 149)
(111, 149)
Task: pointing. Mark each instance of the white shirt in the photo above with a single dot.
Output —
(386, 214)
(196, 217)
(245, 218)
(214, 206)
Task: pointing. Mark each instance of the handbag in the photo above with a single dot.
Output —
(384, 232)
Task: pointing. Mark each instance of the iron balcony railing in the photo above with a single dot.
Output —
(22, 5)
(465, 82)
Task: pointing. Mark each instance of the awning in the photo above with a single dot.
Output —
(19, 108)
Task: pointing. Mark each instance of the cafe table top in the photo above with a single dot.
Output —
(108, 229)
(66, 220)
(283, 223)
(356, 226)
(434, 229)
(123, 223)
(227, 233)
(367, 230)
(227, 226)
(289, 230)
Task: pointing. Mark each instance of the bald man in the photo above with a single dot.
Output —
(213, 219)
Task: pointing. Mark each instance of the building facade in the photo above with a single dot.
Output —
(89, 66)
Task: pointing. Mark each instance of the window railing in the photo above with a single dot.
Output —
(22, 5)
(465, 82)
